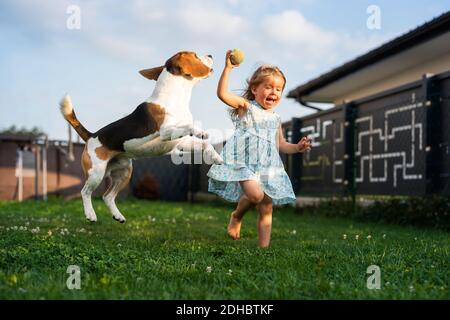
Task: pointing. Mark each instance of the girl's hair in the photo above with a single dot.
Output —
(256, 79)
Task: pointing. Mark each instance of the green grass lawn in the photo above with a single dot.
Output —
(165, 250)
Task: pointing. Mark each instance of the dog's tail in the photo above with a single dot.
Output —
(69, 114)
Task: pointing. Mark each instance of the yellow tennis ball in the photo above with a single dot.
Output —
(237, 56)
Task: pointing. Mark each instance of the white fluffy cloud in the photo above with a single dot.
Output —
(125, 48)
(205, 19)
(149, 11)
(291, 29)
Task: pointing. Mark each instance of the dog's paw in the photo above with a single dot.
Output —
(218, 160)
(198, 133)
(91, 216)
(91, 219)
(120, 219)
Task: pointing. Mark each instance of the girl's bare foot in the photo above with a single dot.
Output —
(234, 227)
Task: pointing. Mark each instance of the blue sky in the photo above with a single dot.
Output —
(41, 60)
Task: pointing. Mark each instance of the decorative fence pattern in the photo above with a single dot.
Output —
(392, 143)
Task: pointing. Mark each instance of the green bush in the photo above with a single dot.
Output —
(424, 211)
(427, 211)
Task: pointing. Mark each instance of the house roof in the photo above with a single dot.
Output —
(429, 30)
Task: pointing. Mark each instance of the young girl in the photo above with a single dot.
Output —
(253, 173)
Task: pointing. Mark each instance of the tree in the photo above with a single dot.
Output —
(13, 130)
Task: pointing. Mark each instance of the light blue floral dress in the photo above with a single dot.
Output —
(251, 153)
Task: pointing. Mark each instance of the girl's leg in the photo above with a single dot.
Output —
(264, 221)
(252, 196)
(234, 227)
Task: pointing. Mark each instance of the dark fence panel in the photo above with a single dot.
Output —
(201, 178)
(322, 169)
(390, 148)
(445, 142)
(172, 180)
(287, 158)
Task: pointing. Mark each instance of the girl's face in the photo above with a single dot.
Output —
(268, 93)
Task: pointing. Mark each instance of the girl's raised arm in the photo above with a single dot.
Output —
(227, 97)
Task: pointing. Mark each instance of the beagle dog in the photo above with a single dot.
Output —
(160, 125)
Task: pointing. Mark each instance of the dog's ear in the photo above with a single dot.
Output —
(152, 73)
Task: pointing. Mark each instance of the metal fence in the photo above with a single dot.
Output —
(392, 143)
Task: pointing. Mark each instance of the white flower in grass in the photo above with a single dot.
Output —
(384, 236)
(411, 288)
(230, 272)
(294, 232)
(50, 233)
(357, 237)
(21, 228)
(35, 230)
(7, 228)
(332, 284)
(415, 238)
(208, 269)
(369, 237)
(344, 236)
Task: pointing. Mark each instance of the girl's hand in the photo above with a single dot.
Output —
(228, 63)
(304, 144)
